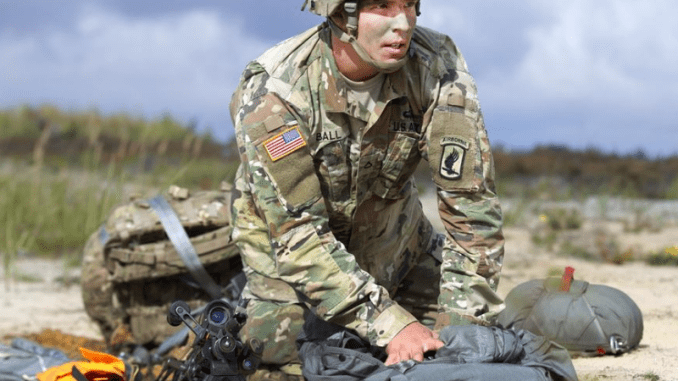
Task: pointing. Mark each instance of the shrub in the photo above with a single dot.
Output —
(667, 257)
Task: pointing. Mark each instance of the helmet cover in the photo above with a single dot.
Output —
(324, 8)
(327, 7)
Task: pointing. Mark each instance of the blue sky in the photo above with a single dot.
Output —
(578, 73)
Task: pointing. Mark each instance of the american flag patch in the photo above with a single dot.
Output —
(284, 143)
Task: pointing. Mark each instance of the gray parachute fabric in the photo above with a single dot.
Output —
(583, 318)
(24, 359)
(471, 353)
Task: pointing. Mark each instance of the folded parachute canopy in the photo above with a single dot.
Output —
(582, 317)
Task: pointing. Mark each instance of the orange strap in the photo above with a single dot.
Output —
(101, 367)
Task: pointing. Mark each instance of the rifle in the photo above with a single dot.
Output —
(217, 353)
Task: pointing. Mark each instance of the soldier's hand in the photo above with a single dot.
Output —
(411, 343)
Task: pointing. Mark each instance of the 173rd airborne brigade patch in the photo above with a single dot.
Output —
(454, 153)
(284, 143)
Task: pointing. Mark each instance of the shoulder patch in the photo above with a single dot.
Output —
(454, 153)
(284, 143)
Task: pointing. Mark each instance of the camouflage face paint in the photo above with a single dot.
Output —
(385, 28)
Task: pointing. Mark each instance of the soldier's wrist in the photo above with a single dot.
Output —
(390, 322)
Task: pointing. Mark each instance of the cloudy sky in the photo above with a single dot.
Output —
(578, 73)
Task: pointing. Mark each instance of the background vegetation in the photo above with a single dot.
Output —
(62, 172)
(558, 172)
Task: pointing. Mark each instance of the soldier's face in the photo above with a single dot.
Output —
(385, 28)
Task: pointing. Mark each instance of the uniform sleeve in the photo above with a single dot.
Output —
(460, 158)
(286, 196)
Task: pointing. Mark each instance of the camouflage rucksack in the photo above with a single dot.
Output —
(132, 271)
(584, 318)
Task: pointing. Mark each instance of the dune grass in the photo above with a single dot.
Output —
(68, 169)
(62, 173)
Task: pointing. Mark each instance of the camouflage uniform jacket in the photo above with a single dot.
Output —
(333, 220)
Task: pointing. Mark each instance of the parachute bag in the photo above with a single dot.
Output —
(132, 270)
(584, 318)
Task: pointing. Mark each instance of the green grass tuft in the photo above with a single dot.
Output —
(667, 257)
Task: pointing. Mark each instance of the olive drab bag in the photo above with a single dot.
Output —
(150, 253)
(582, 317)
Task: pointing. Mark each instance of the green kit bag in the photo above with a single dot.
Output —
(152, 252)
(584, 318)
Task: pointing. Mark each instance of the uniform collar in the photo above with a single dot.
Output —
(334, 89)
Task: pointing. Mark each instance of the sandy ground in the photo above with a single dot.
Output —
(654, 289)
(30, 307)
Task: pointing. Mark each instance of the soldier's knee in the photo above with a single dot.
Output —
(277, 327)
(273, 375)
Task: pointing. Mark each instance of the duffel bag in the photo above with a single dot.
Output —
(152, 252)
(583, 317)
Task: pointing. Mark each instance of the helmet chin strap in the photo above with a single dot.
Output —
(351, 38)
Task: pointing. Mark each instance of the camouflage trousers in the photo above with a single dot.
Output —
(278, 325)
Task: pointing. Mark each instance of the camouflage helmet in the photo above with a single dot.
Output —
(324, 8)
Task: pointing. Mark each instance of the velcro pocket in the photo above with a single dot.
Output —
(281, 146)
(454, 153)
(402, 155)
(294, 176)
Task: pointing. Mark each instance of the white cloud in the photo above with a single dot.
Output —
(187, 64)
(443, 16)
(601, 52)
(571, 71)
(580, 72)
